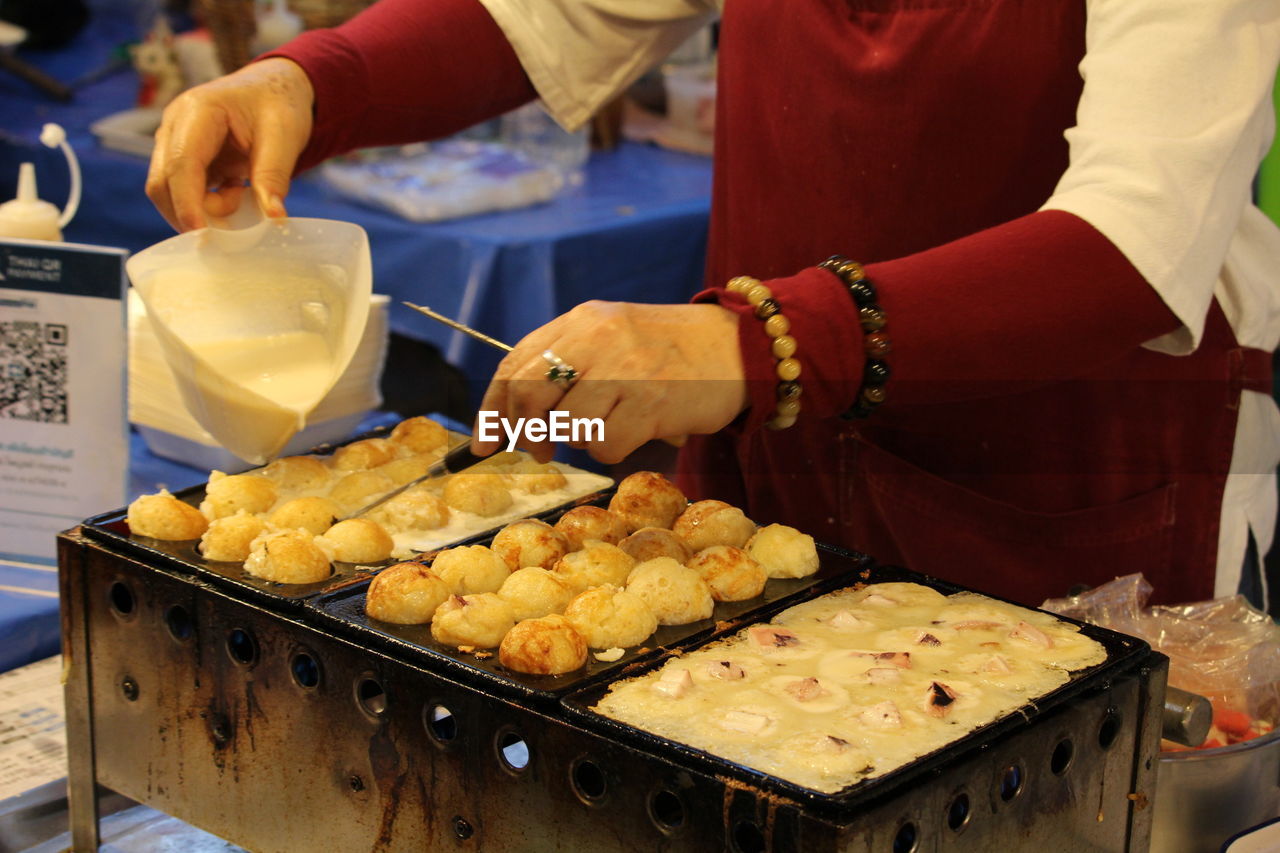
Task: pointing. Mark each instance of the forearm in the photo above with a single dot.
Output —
(404, 71)
(1041, 299)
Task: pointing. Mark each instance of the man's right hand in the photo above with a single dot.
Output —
(247, 126)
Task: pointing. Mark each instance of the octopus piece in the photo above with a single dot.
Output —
(938, 699)
(725, 670)
(294, 474)
(363, 455)
(771, 637)
(484, 494)
(675, 594)
(996, 664)
(313, 514)
(902, 660)
(547, 645)
(596, 564)
(405, 594)
(471, 569)
(416, 436)
(844, 620)
(229, 539)
(1031, 635)
(289, 556)
(806, 689)
(674, 683)
(975, 625)
(729, 573)
(535, 478)
(480, 621)
(534, 592)
(924, 638)
(883, 675)
(226, 495)
(745, 722)
(358, 489)
(784, 551)
(359, 540)
(590, 522)
(162, 516)
(708, 523)
(648, 543)
(529, 542)
(884, 715)
(879, 600)
(647, 499)
(608, 616)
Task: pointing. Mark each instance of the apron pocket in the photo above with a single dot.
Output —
(951, 532)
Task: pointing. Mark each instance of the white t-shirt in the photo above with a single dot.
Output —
(1175, 116)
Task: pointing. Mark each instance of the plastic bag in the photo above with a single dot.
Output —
(1223, 649)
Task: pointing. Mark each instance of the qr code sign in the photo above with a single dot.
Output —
(33, 371)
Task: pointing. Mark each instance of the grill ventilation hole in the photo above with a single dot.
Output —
(1060, 761)
(179, 623)
(747, 838)
(958, 812)
(588, 780)
(441, 724)
(121, 598)
(1109, 729)
(242, 647)
(513, 751)
(666, 809)
(305, 670)
(905, 840)
(370, 696)
(1011, 782)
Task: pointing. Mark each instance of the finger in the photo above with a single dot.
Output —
(276, 148)
(195, 140)
(494, 405)
(157, 186)
(586, 401)
(225, 201)
(628, 426)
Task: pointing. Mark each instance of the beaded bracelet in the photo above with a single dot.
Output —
(776, 326)
(875, 373)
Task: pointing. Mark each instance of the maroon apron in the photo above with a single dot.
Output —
(880, 128)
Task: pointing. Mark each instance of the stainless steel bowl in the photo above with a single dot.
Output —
(1203, 797)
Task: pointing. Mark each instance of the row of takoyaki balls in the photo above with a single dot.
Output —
(282, 520)
(599, 579)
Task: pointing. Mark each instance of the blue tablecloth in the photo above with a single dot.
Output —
(634, 230)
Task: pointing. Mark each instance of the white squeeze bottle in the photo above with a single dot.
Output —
(27, 217)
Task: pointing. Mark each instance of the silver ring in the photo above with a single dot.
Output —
(559, 371)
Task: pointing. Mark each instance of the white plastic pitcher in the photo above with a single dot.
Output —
(257, 324)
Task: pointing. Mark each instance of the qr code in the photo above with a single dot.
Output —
(33, 371)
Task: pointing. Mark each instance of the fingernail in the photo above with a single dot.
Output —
(275, 207)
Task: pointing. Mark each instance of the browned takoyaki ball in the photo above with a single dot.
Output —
(708, 523)
(295, 474)
(677, 595)
(406, 594)
(649, 542)
(594, 564)
(483, 494)
(529, 542)
(314, 514)
(226, 495)
(646, 499)
(610, 617)
(480, 620)
(419, 435)
(359, 540)
(229, 539)
(363, 455)
(590, 522)
(470, 569)
(729, 572)
(548, 645)
(533, 592)
(289, 556)
(162, 516)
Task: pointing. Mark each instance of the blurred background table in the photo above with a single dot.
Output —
(635, 229)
